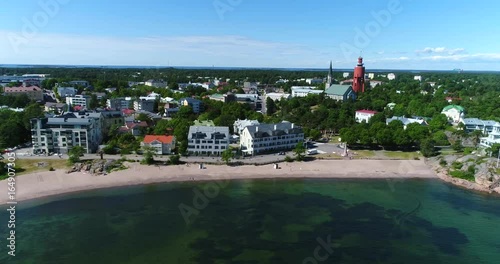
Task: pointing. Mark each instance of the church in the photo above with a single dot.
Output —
(338, 92)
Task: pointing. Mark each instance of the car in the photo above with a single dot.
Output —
(281, 153)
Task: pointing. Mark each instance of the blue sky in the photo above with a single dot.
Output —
(406, 34)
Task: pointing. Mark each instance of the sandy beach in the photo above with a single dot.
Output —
(49, 183)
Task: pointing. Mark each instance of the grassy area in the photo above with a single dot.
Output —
(363, 153)
(401, 155)
(498, 171)
(327, 156)
(466, 175)
(31, 165)
(334, 139)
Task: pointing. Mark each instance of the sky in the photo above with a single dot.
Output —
(389, 34)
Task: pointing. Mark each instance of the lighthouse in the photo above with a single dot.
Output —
(358, 84)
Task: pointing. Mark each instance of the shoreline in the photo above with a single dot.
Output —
(53, 183)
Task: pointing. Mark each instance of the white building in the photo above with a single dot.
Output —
(417, 78)
(314, 81)
(79, 100)
(485, 126)
(66, 91)
(364, 115)
(156, 83)
(163, 145)
(346, 74)
(80, 83)
(454, 113)
(120, 103)
(195, 104)
(492, 138)
(406, 121)
(391, 76)
(208, 140)
(278, 96)
(239, 125)
(371, 75)
(60, 134)
(303, 91)
(266, 138)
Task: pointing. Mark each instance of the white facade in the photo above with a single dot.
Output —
(454, 113)
(314, 81)
(364, 115)
(156, 83)
(346, 74)
(391, 76)
(417, 78)
(371, 75)
(204, 140)
(303, 91)
(270, 137)
(80, 100)
(278, 96)
(239, 125)
(492, 138)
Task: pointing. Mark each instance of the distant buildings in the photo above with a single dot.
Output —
(156, 83)
(492, 138)
(346, 74)
(391, 76)
(278, 96)
(210, 140)
(303, 91)
(79, 100)
(417, 78)
(240, 125)
(66, 91)
(454, 113)
(364, 115)
(120, 103)
(374, 83)
(33, 92)
(162, 145)
(313, 81)
(264, 138)
(80, 83)
(476, 124)
(146, 105)
(54, 107)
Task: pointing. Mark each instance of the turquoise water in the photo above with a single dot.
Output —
(261, 221)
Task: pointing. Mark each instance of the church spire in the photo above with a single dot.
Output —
(329, 79)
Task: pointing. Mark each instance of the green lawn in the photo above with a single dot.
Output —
(401, 155)
(334, 139)
(363, 153)
(31, 165)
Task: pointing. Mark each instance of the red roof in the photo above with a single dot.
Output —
(163, 139)
(22, 89)
(132, 124)
(366, 111)
(128, 111)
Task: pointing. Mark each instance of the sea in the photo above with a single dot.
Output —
(259, 221)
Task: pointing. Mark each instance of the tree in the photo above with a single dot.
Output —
(227, 155)
(299, 151)
(438, 122)
(148, 155)
(94, 102)
(75, 153)
(494, 149)
(457, 146)
(476, 136)
(174, 160)
(270, 106)
(427, 147)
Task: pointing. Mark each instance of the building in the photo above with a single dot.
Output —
(340, 92)
(79, 100)
(33, 92)
(136, 128)
(329, 77)
(454, 113)
(265, 138)
(417, 78)
(145, 105)
(390, 106)
(156, 83)
(391, 76)
(359, 77)
(54, 107)
(346, 74)
(208, 140)
(492, 138)
(66, 91)
(195, 104)
(278, 96)
(110, 90)
(476, 124)
(120, 103)
(80, 83)
(32, 82)
(163, 145)
(314, 81)
(374, 83)
(407, 121)
(110, 118)
(364, 115)
(239, 125)
(303, 91)
(60, 134)
(371, 75)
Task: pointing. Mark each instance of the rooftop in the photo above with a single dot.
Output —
(163, 139)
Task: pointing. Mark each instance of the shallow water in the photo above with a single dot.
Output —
(261, 221)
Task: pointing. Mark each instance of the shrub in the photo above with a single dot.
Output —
(51, 169)
(443, 162)
(463, 175)
(288, 159)
(457, 165)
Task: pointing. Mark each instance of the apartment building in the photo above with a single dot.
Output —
(79, 100)
(208, 140)
(120, 103)
(33, 92)
(266, 138)
(195, 104)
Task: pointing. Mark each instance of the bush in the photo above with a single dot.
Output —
(443, 162)
(468, 151)
(457, 165)
(463, 175)
(288, 159)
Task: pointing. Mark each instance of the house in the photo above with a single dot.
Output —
(340, 92)
(364, 115)
(203, 140)
(278, 96)
(417, 78)
(225, 98)
(136, 128)
(195, 104)
(156, 83)
(110, 90)
(454, 113)
(32, 82)
(492, 138)
(374, 83)
(264, 138)
(391, 76)
(59, 134)
(110, 118)
(314, 81)
(303, 91)
(79, 100)
(391, 106)
(80, 83)
(54, 107)
(66, 91)
(371, 75)
(163, 145)
(407, 121)
(346, 74)
(239, 125)
(485, 126)
(33, 92)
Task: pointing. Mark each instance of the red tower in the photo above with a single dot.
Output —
(358, 84)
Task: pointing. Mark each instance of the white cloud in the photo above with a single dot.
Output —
(429, 50)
